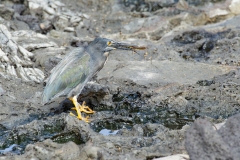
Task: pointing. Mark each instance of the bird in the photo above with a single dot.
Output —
(72, 73)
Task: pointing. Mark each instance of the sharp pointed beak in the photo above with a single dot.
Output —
(125, 46)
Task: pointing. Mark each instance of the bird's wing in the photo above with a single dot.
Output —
(70, 72)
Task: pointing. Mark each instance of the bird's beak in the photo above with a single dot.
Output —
(124, 46)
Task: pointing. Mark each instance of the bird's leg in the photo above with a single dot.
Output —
(78, 108)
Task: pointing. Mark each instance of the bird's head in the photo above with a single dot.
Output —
(106, 45)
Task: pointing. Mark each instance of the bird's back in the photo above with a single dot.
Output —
(72, 71)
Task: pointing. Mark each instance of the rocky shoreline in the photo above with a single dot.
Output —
(166, 100)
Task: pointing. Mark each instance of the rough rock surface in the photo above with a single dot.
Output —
(145, 100)
(203, 142)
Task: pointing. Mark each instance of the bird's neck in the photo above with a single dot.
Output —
(98, 59)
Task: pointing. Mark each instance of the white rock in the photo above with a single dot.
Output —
(75, 19)
(25, 52)
(69, 29)
(39, 73)
(30, 73)
(22, 73)
(174, 157)
(5, 31)
(16, 60)
(33, 6)
(2, 67)
(18, 56)
(53, 5)
(3, 56)
(86, 16)
(49, 10)
(13, 47)
(235, 6)
(5, 59)
(11, 70)
(217, 12)
(58, 3)
(2, 53)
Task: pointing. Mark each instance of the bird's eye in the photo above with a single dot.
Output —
(109, 43)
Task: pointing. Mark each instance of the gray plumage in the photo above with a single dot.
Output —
(78, 67)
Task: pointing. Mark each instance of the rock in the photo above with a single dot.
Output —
(134, 26)
(2, 91)
(75, 20)
(143, 72)
(229, 134)
(6, 12)
(49, 150)
(217, 12)
(92, 152)
(19, 25)
(46, 26)
(11, 54)
(203, 142)
(39, 40)
(69, 29)
(61, 23)
(182, 4)
(202, 132)
(174, 157)
(235, 6)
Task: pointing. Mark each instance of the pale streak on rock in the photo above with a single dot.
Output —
(36, 46)
(75, 19)
(5, 31)
(11, 70)
(14, 59)
(39, 72)
(26, 54)
(217, 12)
(69, 29)
(3, 56)
(31, 74)
(58, 3)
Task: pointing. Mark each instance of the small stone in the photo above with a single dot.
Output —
(75, 19)
(69, 29)
(49, 10)
(61, 23)
(33, 6)
(86, 16)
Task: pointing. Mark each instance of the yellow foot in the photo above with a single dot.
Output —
(80, 108)
(84, 108)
